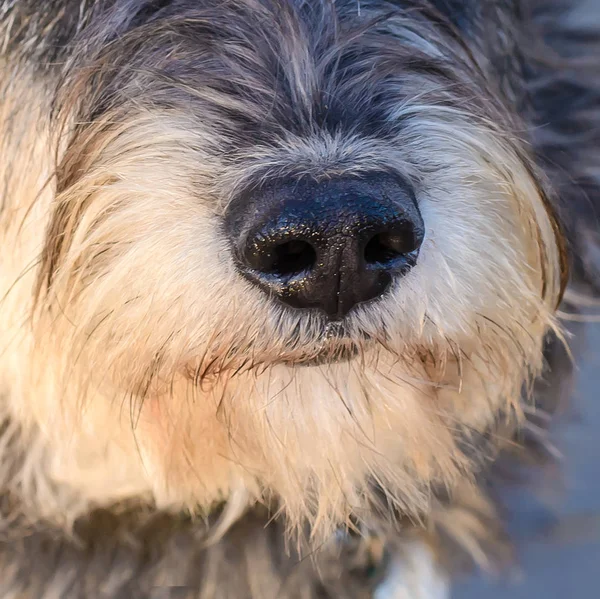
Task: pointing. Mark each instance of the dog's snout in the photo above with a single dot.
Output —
(326, 245)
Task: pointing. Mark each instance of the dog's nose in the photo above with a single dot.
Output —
(329, 244)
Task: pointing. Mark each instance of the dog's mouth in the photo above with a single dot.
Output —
(333, 355)
(335, 345)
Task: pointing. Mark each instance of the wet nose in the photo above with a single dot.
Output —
(329, 244)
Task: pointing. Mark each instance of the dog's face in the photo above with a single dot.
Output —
(299, 246)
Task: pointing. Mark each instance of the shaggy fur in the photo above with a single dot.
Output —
(162, 422)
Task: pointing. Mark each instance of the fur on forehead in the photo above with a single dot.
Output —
(316, 65)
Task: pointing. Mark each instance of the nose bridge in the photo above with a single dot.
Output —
(326, 245)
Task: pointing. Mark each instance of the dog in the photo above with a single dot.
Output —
(280, 286)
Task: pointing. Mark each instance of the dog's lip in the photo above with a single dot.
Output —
(337, 345)
(339, 355)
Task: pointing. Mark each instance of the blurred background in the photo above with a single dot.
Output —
(559, 532)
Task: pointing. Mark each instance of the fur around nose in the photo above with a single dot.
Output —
(329, 244)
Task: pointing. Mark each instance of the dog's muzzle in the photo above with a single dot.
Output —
(326, 245)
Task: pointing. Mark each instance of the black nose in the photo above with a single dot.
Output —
(330, 244)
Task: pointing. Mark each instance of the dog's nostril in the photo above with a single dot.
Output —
(385, 248)
(292, 258)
